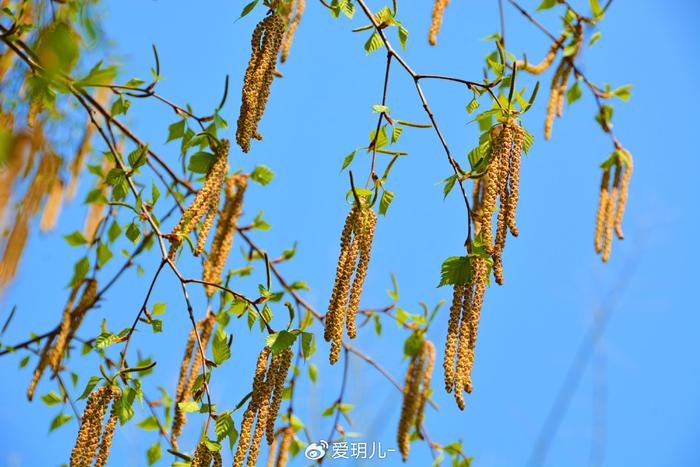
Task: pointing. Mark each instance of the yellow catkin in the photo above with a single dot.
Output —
(429, 351)
(272, 453)
(291, 29)
(278, 389)
(338, 287)
(477, 195)
(546, 61)
(563, 83)
(411, 394)
(252, 409)
(264, 411)
(480, 269)
(602, 209)
(436, 20)
(40, 367)
(188, 376)
(13, 249)
(52, 208)
(339, 318)
(88, 439)
(514, 178)
(225, 229)
(505, 142)
(452, 335)
(492, 188)
(107, 437)
(265, 42)
(202, 456)
(610, 214)
(64, 330)
(624, 189)
(206, 201)
(462, 374)
(366, 235)
(285, 444)
(553, 101)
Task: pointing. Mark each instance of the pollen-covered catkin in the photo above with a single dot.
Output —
(285, 360)
(225, 229)
(624, 192)
(563, 83)
(206, 202)
(514, 178)
(436, 20)
(411, 388)
(553, 101)
(429, 350)
(366, 235)
(52, 208)
(202, 456)
(355, 241)
(546, 61)
(504, 149)
(252, 409)
(88, 441)
(610, 214)
(265, 42)
(603, 201)
(458, 294)
(291, 29)
(285, 444)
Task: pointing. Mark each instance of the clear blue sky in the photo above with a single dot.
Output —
(531, 327)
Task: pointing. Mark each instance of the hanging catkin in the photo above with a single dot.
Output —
(500, 184)
(436, 20)
(55, 347)
(465, 314)
(52, 207)
(285, 360)
(206, 203)
(546, 61)
(265, 42)
(292, 26)
(225, 228)
(256, 401)
(284, 446)
(613, 200)
(88, 446)
(188, 375)
(415, 394)
(355, 241)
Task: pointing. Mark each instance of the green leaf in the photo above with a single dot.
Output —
(158, 309)
(623, 92)
(248, 8)
(573, 94)
(547, 4)
(124, 406)
(80, 270)
(348, 159)
(308, 344)
(225, 428)
(120, 106)
(313, 373)
(473, 105)
(89, 387)
(76, 238)
(133, 232)
(413, 344)
(114, 231)
(396, 133)
(51, 398)
(378, 108)
(595, 8)
(138, 157)
(449, 184)
(262, 175)
(189, 406)
(201, 162)
(154, 453)
(99, 75)
(219, 347)
(403, 37)
(59, 420)
(149, 423)
(279, 341)
(385, 201)
(104, 254)
(456, 270)
(176, 130)
(373, 43)
(594, 38)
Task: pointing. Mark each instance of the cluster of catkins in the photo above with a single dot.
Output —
(203, 457)
(266, 43)
(462, 329)
(57, 344)
(265, 401)
(205, 204)
(278, 457)
(416, 392)
(291, 13)
(436, 20)
(500, 183)
(93, 441)
(225, 228)
(188, 376)
(355, 248)
(611, 206)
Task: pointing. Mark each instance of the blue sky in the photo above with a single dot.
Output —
(531, 327)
